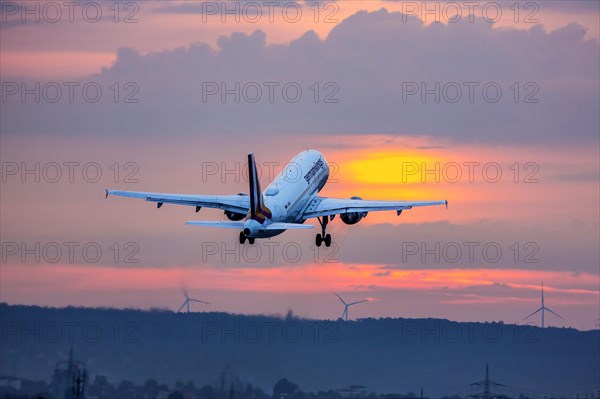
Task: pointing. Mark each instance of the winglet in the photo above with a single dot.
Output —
(446, 204)
(106, 195)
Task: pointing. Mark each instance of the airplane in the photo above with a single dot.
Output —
(290, 199)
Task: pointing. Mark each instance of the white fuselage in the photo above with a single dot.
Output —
(293, 189)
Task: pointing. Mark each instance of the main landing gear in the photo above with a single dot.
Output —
(243, 238)
(323, 238)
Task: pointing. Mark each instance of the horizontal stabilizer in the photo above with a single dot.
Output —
(222, 224)
(240, 225)
(286, 226)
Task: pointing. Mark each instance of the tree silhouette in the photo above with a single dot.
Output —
(284, 388)
(175, 395)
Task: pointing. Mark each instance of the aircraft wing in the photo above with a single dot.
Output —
(321, 206)
(235, 203)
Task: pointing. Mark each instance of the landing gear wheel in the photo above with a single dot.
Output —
(251, 240)
(323, 238)
(242, 237)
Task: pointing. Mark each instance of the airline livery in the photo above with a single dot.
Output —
(290, 199)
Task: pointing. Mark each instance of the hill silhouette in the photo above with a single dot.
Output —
(386, 355)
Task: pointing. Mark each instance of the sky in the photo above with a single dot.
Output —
(497, 113)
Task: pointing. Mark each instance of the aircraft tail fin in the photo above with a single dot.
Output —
(258, 210)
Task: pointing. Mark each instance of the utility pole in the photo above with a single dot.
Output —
(79, 383)
(486, 384)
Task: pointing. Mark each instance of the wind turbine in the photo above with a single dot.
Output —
(543, 308)
(347, 305)
(187, 301)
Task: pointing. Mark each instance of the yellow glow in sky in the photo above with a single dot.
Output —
(389, 167)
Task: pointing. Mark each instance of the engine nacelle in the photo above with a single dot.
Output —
(251, 228)
(353, 217)
(234, 216)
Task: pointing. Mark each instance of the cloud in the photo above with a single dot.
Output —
(386, 273)
(249, 9)
(357, 80)
(586, 176)
(14, 14)
(572, 5)
(483, 244)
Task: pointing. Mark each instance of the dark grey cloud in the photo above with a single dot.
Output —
(569, 6)
(443, 245)
(367, 64)
(586, 176)
(383, 274)
(501, 290)
(569, 248)
(250, 8)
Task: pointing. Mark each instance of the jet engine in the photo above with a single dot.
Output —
(353, 217)
(234, 215)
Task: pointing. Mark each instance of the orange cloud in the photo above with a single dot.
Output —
(306, 279)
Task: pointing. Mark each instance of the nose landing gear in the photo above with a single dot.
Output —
(322, 237)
